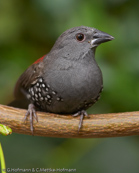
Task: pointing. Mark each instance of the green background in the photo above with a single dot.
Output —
(28, 29)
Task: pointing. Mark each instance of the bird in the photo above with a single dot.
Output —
(67, 80)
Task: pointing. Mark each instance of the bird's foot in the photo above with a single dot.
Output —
(31, 113)
(82, 114)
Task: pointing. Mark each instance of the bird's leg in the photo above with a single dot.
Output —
(31, 113)
(82, 114)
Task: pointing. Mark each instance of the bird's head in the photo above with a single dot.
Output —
(79, 40)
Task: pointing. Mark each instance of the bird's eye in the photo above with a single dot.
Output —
(80, 37)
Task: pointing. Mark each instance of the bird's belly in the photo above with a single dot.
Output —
(66, 94)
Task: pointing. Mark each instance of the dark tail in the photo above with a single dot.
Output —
(23, 103)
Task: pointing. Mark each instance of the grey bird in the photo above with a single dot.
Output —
(67, 80)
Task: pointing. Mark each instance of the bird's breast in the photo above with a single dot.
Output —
(79, 83)
(67, 90)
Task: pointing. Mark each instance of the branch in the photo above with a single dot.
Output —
(54, 125)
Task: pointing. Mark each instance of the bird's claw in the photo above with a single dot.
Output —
(31, 113)
(82, 114)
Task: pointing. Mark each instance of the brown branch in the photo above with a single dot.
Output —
(52, 125)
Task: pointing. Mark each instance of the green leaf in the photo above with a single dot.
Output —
(5, 130)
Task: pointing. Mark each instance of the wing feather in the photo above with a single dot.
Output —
(28, 78)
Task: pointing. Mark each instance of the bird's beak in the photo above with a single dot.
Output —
(100, 37)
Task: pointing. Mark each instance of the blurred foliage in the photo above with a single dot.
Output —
(28, 29)
(2, 160)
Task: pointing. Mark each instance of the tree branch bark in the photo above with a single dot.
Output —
(54, 125)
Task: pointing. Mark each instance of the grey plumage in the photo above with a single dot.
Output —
(68, 79)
